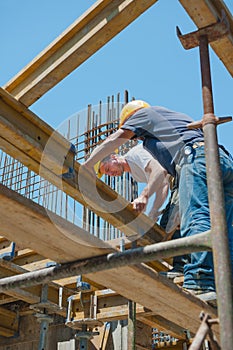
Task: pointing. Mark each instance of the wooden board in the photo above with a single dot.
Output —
(102, 22)
(206, 12)
(25, 221)
(31, 141)
(144, 285)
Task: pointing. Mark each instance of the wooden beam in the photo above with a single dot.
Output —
(32, 224)
(48, 235)
(65, 242)
(5, 299)
(32, 295)
(144, 286)
(159, 322)
(34, 143)
(9, 322)
(111, 307)
(97, 26)
(206, 12)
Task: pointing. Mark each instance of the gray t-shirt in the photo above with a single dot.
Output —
(165, 133)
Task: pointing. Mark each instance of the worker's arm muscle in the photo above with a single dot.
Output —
(108, 146)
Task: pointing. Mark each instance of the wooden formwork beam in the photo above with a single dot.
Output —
(93, 30)
(34, 143)
(61, 243)
(9, 323)
(111, 306)
(97, 26)
(32, 295)
(206, 12)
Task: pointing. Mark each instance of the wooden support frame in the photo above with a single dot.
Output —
(139, 283)
(206, 12)
(28, 142)
(31, 141)
(9, 323)
(97, 26)
(111, 306)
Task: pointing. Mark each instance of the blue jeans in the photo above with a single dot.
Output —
(180, 260)
(194, 212)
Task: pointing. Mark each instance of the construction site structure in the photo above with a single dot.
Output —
(78, 272)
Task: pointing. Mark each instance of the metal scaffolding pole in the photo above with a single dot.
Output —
(181, 246)
(220, 243)
(219, 232)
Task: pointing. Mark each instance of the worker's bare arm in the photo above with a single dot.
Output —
(112, 142)
(157, 183)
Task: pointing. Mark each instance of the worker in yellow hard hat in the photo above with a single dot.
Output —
(126, 112)
(180, 150)
(144, 168)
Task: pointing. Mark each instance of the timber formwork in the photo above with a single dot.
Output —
(51, 248)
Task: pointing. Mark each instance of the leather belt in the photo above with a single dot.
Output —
(198, 144)
(187, 149)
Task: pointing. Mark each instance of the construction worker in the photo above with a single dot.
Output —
(180, 151)
(144, 168)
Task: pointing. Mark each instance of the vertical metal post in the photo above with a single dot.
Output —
(131, 329)
(220, 244)
(44, 320)
(83, 341)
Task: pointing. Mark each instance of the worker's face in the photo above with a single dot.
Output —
(113, 167)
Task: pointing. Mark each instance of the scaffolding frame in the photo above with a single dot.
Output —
(216, 199)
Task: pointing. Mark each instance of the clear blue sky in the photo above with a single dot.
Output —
(146, 58)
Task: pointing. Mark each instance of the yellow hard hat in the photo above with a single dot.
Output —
(130, 108)
(97, 169)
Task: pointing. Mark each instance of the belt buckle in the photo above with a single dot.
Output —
(187, 150)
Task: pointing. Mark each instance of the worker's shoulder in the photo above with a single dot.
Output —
(139, 150)
(139, 156)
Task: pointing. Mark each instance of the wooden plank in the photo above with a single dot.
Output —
(50, 236)
(32, 295)
(206, 12)
(111, 306)
(65, 242)
(5, 299)
(25, 137)
(29, 260)
(97, 26)
(20, 294)
(9, 322)
(143, 285)
(159, 322)
(8, 268)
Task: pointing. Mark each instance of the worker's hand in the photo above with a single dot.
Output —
(140, 203)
